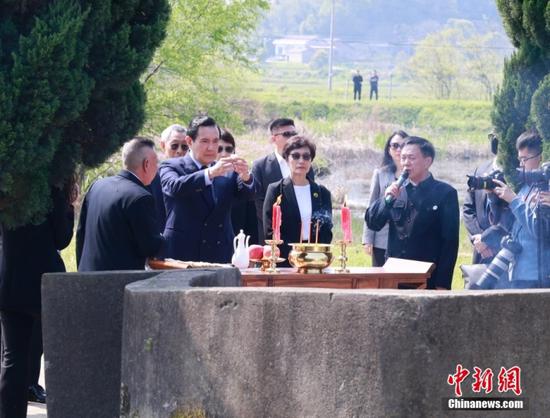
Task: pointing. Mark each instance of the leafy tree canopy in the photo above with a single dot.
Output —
(202, 62)
(69, 90)
(524, 99)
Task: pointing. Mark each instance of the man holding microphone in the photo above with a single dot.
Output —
(422, 214)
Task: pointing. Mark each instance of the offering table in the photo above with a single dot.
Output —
(396, 273)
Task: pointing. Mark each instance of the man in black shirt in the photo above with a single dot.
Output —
(374, 85)
(423, 218)
(357, 83)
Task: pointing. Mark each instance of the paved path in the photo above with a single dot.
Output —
(38, 410)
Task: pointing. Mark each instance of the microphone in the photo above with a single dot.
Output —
(389, 199)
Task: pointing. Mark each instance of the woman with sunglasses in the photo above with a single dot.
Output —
(243, 212)
(304, 203)
(375, 243)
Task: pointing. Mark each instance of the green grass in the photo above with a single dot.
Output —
(69, 256)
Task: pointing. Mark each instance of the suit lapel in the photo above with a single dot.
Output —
(291, 202)
(274, 172)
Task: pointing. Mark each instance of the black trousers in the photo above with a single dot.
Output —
(374, 91)
(378, 257)
(356, 93)
(17, 330)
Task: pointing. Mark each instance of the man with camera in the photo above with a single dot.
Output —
(482, 230)
(528, 240)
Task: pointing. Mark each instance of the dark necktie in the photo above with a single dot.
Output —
(212, 188)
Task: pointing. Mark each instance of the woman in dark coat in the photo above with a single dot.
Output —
(28, 252)
(243, 212)
(303, 202)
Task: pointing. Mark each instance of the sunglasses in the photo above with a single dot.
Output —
(296, 156)
(396, 145)
(228, 148)
(184, 147)
(288, 134)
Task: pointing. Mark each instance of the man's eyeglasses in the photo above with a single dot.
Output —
(228, 148)
(296, 156)
(288, 134)
(396, 145)
(175, 146)
(525, 159)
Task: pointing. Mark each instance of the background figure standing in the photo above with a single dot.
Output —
(173, 145)
(243, 212)
(273, 167)
(28, 252)
(357, 84)
(374, 85)
(376, 242)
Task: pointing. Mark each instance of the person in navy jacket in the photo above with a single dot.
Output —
(199, 193)
(118, 227)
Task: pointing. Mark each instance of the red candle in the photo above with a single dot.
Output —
(276, 219)
(346, 222)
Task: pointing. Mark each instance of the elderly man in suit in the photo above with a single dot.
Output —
(172, 143)
(118, 227)
(199, 193)
(273, 167)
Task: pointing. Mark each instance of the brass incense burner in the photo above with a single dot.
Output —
(310, 257)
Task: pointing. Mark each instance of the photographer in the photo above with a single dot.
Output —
(484, 229)
(527, 270)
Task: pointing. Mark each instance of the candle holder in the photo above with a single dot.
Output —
(274, 259)
(343, 257)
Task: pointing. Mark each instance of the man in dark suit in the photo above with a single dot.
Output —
(27, 252)
(199, 192)
(118, 221)
(483, 235)
(273, 167)
(423, 215)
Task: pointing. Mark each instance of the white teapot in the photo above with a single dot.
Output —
(240, 257)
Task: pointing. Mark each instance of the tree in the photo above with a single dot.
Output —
(69, 91)
(202, 62)
(523, 101)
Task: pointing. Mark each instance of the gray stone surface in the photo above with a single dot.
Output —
(325, 353)
(82, 324)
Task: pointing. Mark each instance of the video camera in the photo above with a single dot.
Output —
(485, 182)
(542, 175)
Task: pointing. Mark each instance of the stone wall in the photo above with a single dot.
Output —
(276, 352)
(279, 352)
(82, 323)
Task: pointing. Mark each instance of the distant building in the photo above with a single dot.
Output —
(300, 49)
(295, 49)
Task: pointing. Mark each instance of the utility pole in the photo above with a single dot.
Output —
(331, 50)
